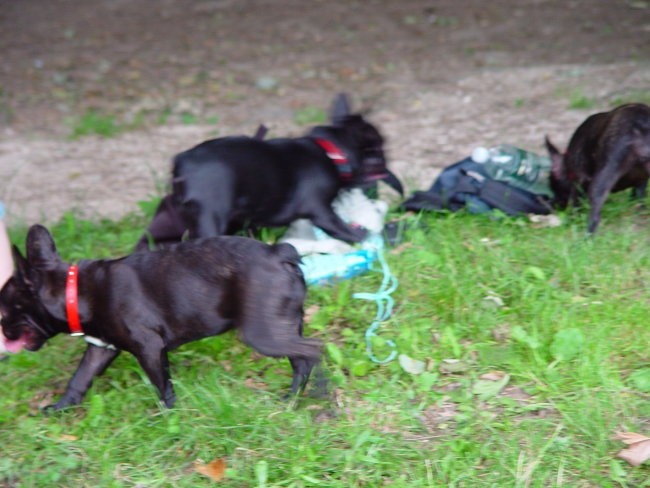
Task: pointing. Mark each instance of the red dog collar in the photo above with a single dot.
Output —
(72, 301)
(337, 157)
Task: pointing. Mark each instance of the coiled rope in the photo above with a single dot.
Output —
(382, 297)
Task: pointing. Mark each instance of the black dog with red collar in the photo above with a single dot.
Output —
(149, 303)
(224, 185)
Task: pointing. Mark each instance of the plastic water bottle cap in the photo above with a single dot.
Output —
(480, 155)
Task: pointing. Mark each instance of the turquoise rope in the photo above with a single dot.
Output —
(384, 309)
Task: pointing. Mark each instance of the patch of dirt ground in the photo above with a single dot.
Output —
(438, 78)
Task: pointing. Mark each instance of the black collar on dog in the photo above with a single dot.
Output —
(337, 156)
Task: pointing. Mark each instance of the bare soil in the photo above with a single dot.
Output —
(437, 77)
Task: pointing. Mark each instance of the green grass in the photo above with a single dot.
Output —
(579, 101)
(94, 122)
(309, 116)
(97, 123)
(632, 96)
(570, 339)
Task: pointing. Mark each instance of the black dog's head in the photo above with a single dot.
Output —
(26, 323)
(362, 142)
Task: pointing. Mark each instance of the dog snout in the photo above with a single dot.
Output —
(374, 164)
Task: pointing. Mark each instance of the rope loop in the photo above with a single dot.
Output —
(382, 297)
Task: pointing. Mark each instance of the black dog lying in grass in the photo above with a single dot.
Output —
(609, 152)
(151, 302)
(226, 184)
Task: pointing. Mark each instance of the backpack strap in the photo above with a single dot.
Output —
(512, 200)
(449, 190)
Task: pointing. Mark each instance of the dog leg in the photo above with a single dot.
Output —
(302, 368)
(93, 363)
(332, 224)
(153, 360)
(599, 190)
(166, 226)
(203, 222)
(303, 353)
(639, 192)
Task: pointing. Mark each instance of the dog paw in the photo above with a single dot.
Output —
(359, 233)
(63, 403)
(54, 408)
(169, 400)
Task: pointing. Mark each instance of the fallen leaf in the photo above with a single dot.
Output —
(215, 470)
(68, 437)
(493, 376)
(551, 220)
(410, 365)
(451, 366)
(492, 301)
(490, 385)
(630, 437)
(638, 451)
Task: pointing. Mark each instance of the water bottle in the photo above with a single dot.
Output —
(520, 168)
(321, 269)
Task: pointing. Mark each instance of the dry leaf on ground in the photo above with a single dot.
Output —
(410, 365)
(551, 220)
(215, 470)
(638, 451)
(494, 375)
(68, 438)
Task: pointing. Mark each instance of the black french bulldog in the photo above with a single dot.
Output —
(608, 152)
(226, 184)
(149, 303)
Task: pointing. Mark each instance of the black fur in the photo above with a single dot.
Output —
(149, 303)
(227, 184)
(609, 152)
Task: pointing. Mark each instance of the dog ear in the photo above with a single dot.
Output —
(23, 272)
(340, 109)
(20, 263)
(261, 132)
(557, 159)
(41, 250)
